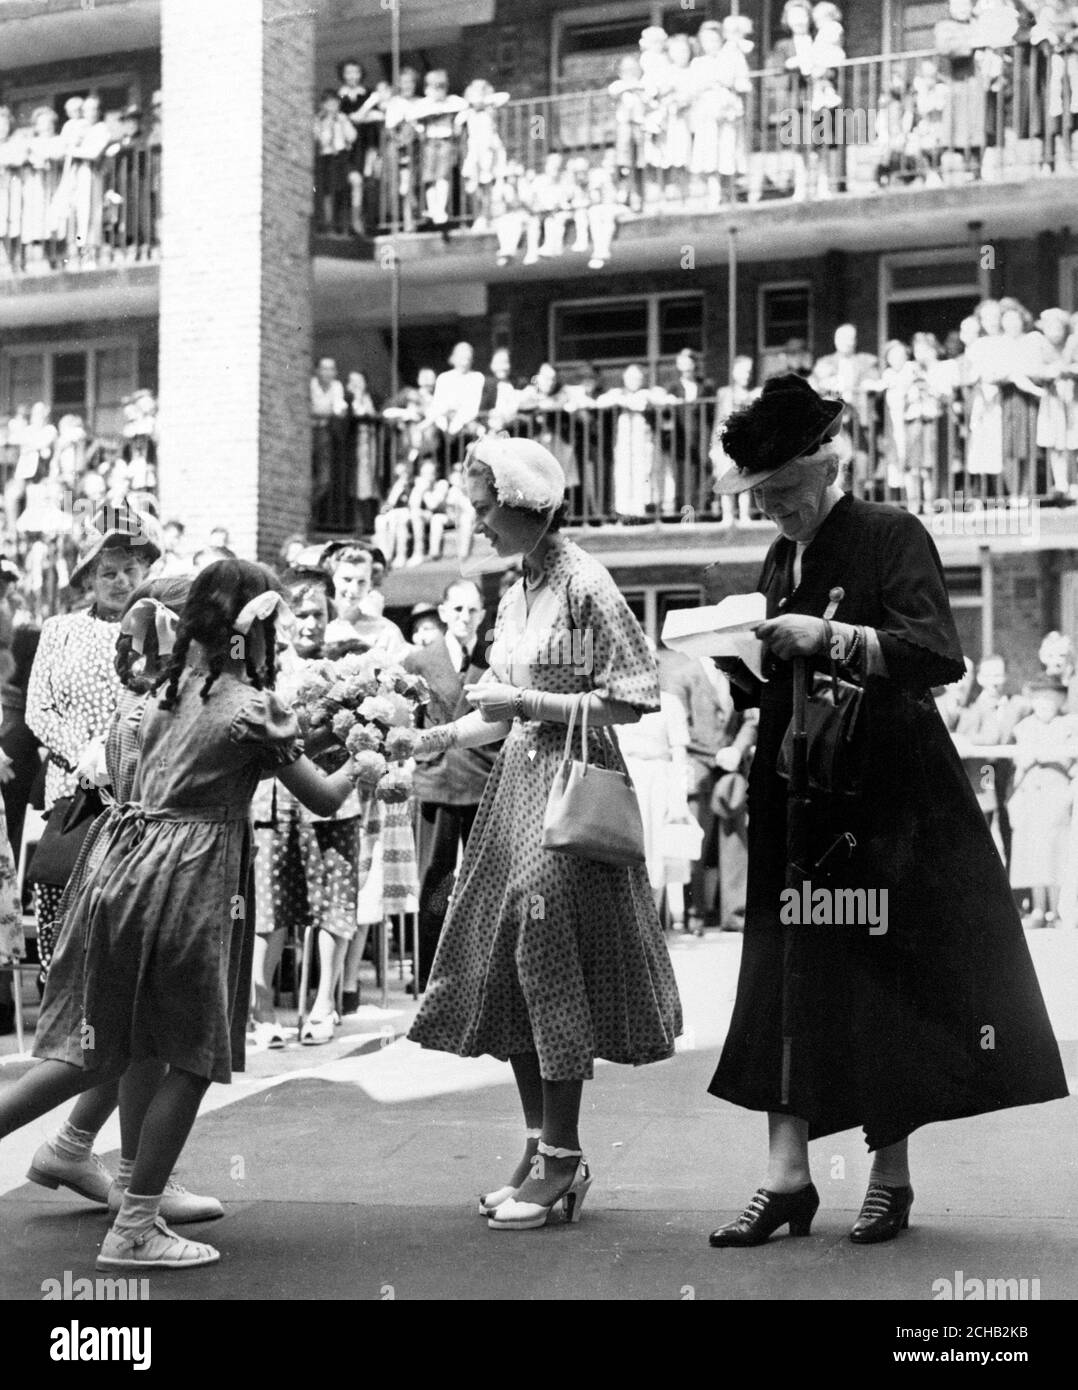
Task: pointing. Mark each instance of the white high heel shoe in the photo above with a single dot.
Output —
(489, 1202)
(512, 1215)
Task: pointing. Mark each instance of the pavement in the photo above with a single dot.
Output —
(351, 1171)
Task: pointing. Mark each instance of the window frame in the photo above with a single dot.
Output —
(762, 289)
(46, 92)
(613, 10)
(942, 255)
(654, 361)
(51, 348)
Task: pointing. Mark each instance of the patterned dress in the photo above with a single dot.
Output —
(155, 958)
(70, 698)
(542, 952)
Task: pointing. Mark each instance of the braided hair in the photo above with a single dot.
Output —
(217, 595)
(141, 672)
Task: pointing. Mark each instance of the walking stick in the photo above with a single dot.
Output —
(797, 853)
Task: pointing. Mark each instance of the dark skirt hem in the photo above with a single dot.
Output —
(820, 1128)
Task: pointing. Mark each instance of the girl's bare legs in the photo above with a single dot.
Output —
(165, 1129)
(48, 1085)
(437, 531)
(93, 1107)
(137, 1088)
(352, 957)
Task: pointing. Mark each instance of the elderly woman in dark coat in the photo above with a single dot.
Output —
(929, 1009)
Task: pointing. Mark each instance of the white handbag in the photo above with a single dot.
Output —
(681, 839)
(592, 812)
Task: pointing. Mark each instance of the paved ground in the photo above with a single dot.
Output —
(351, 1170)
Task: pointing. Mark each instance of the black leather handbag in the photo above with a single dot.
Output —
(832, 710)
(67, 825)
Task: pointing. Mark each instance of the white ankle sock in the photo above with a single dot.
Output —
(136, 1213)
(73, 1143)
(123, 1173)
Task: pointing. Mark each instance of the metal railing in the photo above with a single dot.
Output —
(58, 214)
(659, 463)
(851, 131)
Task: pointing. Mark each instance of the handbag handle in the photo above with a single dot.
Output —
(579, 707)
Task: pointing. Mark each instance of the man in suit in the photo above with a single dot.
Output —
(448, 785)
(500, 399)
(843, 373)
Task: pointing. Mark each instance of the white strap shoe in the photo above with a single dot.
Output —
(512, 1215)
(153, 1247)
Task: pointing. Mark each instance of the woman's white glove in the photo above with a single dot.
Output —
(91, 769)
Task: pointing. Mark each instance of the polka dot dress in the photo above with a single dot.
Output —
(542, 952)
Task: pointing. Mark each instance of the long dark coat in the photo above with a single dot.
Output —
(941, 1016)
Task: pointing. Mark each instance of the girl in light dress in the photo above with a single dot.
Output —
(677, 101)
(484, 156)
(43, 154)
(828, 54)
(996, 366)
(641, 481)
(655, 754)
(1056, 365)
(12, 158)
(931, 94)
(896, 384)
(655, 69)
(1041, 801)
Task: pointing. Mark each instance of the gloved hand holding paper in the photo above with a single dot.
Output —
(721, 629)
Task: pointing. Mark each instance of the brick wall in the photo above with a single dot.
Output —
(235, 291)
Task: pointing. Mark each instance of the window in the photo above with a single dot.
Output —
(87, 379)
(927, 291)
(784, 312)
(587, 43)
(115, 91)
(918, 24)
(650, 604)
(611, 333)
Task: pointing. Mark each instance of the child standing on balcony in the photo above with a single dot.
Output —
(677, 136)
(334, 136)
(931, 95)
(735, 84)
(655, 69)
(12, 155)
(964, 122)
(828, 54)
(437, 116)
(484, 156)
(402, 132)
(1057, 417)
(630, 113)
(354, 97)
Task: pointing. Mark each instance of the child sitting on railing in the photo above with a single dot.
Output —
(509, 215)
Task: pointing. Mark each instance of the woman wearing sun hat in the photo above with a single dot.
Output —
(883, 1029)
(546, 961)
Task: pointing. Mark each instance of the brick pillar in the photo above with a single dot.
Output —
(237, 80)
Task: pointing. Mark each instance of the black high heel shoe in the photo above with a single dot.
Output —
(884, 1212)
(766, 1213)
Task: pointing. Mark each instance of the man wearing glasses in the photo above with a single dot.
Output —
(448, 785)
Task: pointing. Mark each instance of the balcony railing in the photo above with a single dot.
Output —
(658, 463)
(58, 214)
(802, 139)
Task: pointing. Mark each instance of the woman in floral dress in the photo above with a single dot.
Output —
(546, 960)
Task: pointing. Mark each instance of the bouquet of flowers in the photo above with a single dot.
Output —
(355, 707)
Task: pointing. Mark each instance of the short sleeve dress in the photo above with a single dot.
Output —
(155, 958)
(542, 952)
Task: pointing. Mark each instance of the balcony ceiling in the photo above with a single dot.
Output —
(32, 32)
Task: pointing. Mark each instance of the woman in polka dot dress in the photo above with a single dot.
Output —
(546, 961)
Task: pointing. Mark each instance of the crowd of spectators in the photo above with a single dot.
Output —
(684, 121)
(990, 413)
(1020, 752)
(80, 191)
